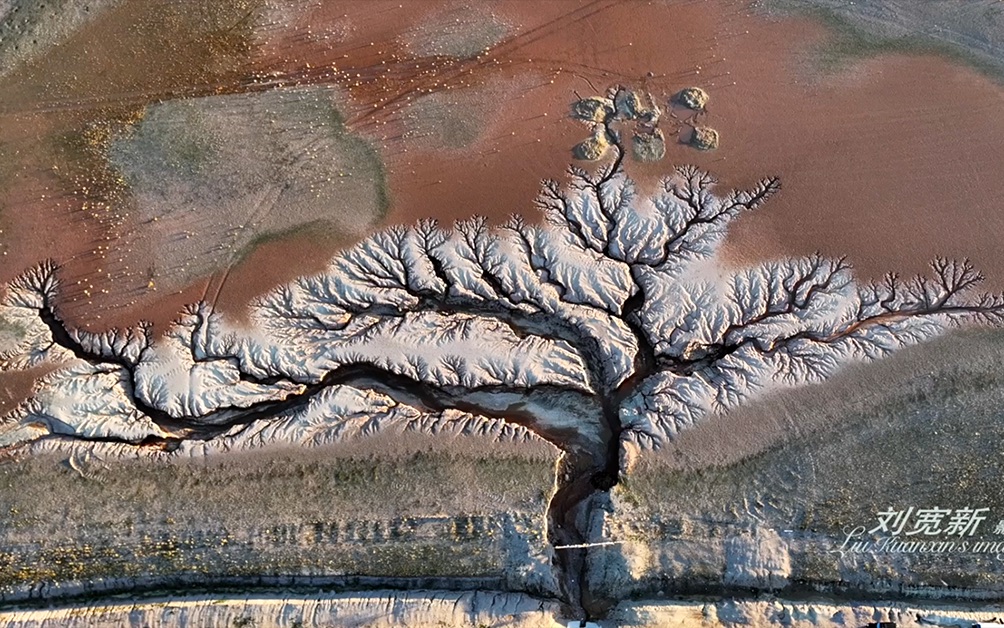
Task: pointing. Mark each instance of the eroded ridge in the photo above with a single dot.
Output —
(608, 322)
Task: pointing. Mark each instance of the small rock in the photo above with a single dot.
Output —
(704, 138)
(650, 146)
(627, 104)
(592, 149)
(693, 98)
(649, 117)
(592, 109)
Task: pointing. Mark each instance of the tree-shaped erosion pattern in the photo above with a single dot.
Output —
(609, 322)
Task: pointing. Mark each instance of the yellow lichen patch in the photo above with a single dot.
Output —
(704, 138)
(593, 148)
(592, 109)
(693, 98)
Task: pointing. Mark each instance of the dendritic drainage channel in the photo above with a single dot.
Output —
(609, 322)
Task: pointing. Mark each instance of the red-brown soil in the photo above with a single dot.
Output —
(56, 202)
(891, 161)
(16, 386)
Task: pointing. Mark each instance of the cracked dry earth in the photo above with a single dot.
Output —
(610, 323)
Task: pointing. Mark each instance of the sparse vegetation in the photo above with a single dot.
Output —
(592, 148)
(373, 516)
(648, 146)
(450, 122)
(921, 429)
(892, 438)
(203, 164)
(10, 332)
(462, 32)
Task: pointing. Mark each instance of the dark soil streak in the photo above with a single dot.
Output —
(586, 469)
(590, 463)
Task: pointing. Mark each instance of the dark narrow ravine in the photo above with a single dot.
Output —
(584, 470)
(589, 463)
(580, 479)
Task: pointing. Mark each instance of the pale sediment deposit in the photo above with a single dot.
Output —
(209, 179)
(485, 609)
(578, 333)
(375, 609)
(612, 323)
(769, 612)
(462, 32)
(30, 29)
